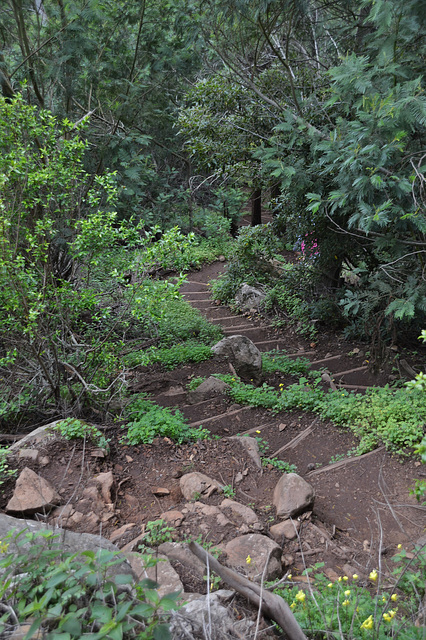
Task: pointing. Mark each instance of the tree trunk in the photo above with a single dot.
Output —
(256, 207)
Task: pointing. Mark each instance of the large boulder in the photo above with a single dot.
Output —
(292, 495)
(32, 494)
(249, 297)
(244, 356)
(67, 540)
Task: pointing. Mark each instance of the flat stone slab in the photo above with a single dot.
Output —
(32, 494)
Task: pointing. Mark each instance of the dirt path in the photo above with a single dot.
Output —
(363, 507)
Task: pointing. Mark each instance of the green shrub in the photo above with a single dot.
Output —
(69, 596)
(182, 322)
(171, 357)
(278, 362)
(72, 428)
(147, 420)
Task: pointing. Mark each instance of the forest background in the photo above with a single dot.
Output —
(132, 133)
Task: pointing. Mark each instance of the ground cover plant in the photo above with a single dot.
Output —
(73, 595)
(387, 606)
(395, 417)
(146, 420)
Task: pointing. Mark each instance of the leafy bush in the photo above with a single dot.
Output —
(73, 595)
(156, 532)
(147, 421)
(182, 322)
(72, 428)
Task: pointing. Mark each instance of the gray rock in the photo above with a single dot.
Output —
(292, 495)
(248, 297)
(163, 573)
(252, 448)
(181, 553)
(197, 484)
(32, 494)
(38, 435)
(251, 552)
(244, 356)
(239, 514)
(210, 387)
(286, 530)
(67, 540)
(207, 617)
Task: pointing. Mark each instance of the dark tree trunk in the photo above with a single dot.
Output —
(256, 207)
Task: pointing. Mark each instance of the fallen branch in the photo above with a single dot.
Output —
(272, 605)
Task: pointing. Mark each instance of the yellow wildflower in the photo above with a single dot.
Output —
(368, 624)
(330, 585)
(345, 578)
(394, 597)
(389, 615)
(248, 560)
(289, 577)
(257, 431)
(339, 579)
(345, 603)
(373, 575)
(293, 605)
(399, 546)
(383, 599)
(355, 576)
(4, 546)
(347, 593)
(301, 596)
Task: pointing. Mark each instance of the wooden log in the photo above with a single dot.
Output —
(271, 605)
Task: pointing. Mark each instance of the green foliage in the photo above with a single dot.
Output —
(278, 362)
(290, 308)
(5, 471)
(394, 417)
(156, 532)
(146, 421)
(348, 610)
(228, 491)
(280, 465)
(54, 223)
(72, 595)
(170, 357)
(249, 263)
(72, 428)
(182, 322)
(194, 383)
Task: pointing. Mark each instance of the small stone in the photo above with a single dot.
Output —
(121, 531)
(287, 529)
(238, 478)
(282, 426)
(193, 484)
(106, 482)
(129, 459)
(173, 518)
(310, 466)
(331, 574)
(44, 461)
(32, 493)
(287, 559)
(28, 454)
(160, 491)
(98, 453)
